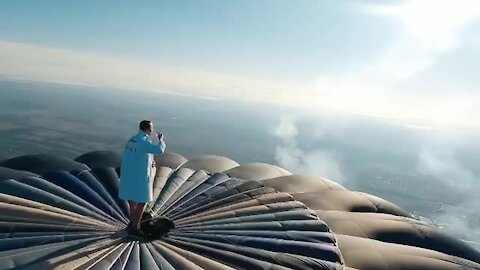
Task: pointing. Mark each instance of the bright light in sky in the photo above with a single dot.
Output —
(413, 61)
(435, 23)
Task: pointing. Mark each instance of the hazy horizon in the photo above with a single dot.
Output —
(399, 60)
(430, 173)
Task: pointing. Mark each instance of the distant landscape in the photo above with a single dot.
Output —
(433, 174)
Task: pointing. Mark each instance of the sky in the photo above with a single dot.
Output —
(413, 61)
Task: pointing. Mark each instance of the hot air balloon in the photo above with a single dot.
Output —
(211, 213)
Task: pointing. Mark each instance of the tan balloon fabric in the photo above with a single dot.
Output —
(222, 216)
(301, 183)
(257, 171)
(212, 164)
(170, 159)
(368, 254)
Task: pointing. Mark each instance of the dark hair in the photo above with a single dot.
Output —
(144, 125)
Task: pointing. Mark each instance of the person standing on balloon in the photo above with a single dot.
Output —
(137, 170)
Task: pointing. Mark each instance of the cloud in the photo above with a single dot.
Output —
(430, 28)
(291, 157)
(366, 91)
(388, 87)
(460, 217)
(33, 62)
(435, 24)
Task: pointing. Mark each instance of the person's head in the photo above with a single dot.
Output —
(146, 126)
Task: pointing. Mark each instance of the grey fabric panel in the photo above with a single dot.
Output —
(159, 259)
(301, 225)
(52, 189)
(14, 188)
(31, 255)
(232, 212)
(277, 216)
(23, 242)
(232, 259)
(173, 258)
(174, 182)
(263, 199)
(88, 178)
(42, 164)
(192, 182)
(220, 201)
(86, 260)
(322, 251)
(305, 236)
(36, 234)
(121, 262)
(7, 173)
(96, 159)
(111, 181)
(79, 192)
(9, 203)
(45, 227)
(217, 183)
(63, 193)
(281, 258)
(214, 180)
(146, 259)
(203, 262)
(110, 259)
(133, 262)
(218, 196)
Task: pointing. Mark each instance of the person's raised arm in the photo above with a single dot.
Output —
(148, 147)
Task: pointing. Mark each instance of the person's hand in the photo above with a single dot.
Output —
(160, 136)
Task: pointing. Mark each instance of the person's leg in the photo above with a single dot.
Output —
(132, 205)
(136, 214)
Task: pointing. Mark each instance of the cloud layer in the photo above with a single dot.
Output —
(32, 62)
(318, 162)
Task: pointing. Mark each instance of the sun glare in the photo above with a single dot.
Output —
(436, 24)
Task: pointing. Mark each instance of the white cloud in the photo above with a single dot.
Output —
(436, 24)
(363, 91)
(35, 62)
(428, 29)
(314, 162)
(431, 28)
(438, 160)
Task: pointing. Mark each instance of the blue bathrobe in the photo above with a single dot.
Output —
(136, 169)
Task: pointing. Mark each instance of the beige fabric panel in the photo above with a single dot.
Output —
(300, 183)
(212, 164)
(368, 225)
(160, 179)
(345, 200)
(252, 210)
(38, 209)
(257, 171)
(170, 159)
(368, 254)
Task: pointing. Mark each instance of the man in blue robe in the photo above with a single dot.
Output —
(137, 171)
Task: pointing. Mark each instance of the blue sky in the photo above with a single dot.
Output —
(409, 61)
